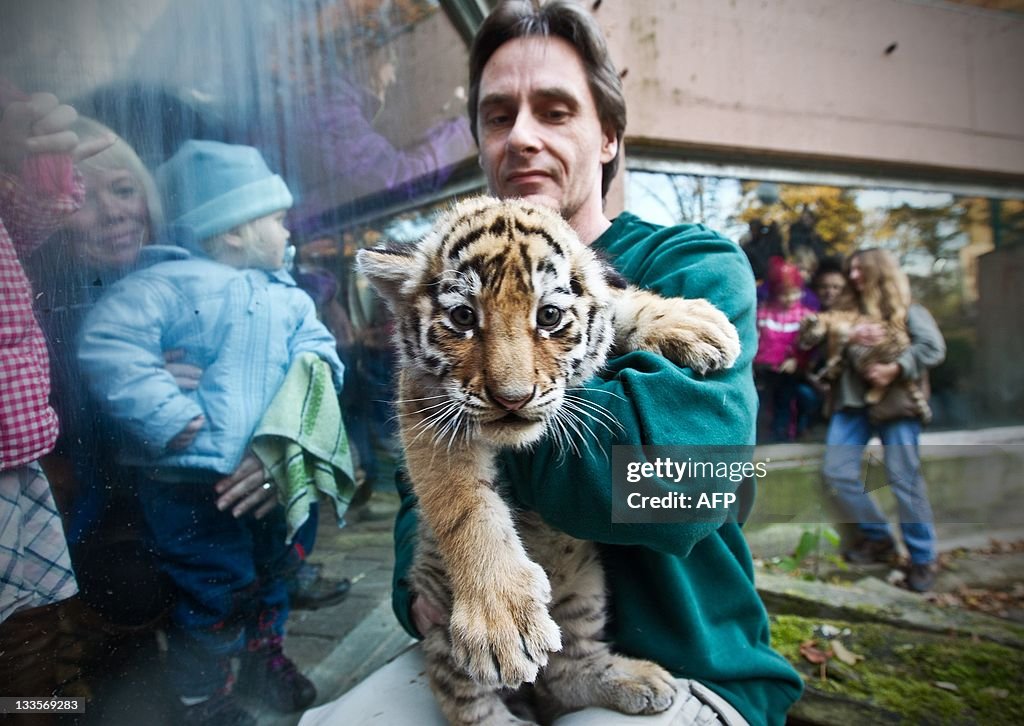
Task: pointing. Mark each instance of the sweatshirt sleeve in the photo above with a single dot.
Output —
(121, 356)
(406, 523)
(654, 401)
(927, 346)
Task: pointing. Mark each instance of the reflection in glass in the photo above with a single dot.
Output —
(938, 238)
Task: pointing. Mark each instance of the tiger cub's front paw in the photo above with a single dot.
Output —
(637, 686)
(503, 640)
(690, 333)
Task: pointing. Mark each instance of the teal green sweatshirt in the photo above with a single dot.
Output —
(680, 594)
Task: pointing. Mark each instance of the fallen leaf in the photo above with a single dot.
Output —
(810, 651)
(844, 654)
(946, 686)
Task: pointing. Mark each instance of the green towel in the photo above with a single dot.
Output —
(302, 442)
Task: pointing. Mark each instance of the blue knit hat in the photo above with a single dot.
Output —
(209, 188)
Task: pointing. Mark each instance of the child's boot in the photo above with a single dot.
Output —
(270, 676)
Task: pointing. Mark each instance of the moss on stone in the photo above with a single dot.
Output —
(901, 668)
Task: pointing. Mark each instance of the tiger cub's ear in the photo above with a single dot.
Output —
(387, 268)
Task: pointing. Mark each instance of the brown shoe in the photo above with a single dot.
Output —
(308, 589)
(871, 551)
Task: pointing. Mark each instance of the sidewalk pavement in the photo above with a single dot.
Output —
(338, 646)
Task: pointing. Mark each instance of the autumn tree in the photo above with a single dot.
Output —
(839, 222)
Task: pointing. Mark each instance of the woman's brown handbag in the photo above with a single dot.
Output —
(901, 400)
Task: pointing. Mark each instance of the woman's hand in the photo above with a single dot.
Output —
(881, 375)
(247, 489)
(41, 124)
(867, 334)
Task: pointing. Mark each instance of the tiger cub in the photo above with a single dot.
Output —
(834, 327)
(499, 310)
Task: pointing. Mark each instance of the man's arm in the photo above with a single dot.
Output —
(654, 401)
(406, 524)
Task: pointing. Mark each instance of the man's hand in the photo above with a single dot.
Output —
(788, 366)
(868, 334)
(41, 124)
(247, 489)
(426, 615)
(188, 434)
(881, 375)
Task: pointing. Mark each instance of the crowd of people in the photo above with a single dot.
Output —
(151, 317)
(147, 498)
(799, 388)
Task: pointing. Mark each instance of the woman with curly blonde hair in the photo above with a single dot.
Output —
(879, 289)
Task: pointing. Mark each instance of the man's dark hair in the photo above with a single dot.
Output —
(561, 19)
(832, 265)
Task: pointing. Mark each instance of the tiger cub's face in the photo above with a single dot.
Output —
(498, 311)
(813, 330)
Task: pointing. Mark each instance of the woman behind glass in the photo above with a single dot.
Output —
(95, 248)
(880, 289)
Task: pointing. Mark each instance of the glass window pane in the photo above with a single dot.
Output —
(938, 237)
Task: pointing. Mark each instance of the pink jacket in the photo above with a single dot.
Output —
(777, 332)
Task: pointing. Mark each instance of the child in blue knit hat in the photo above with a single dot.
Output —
(223, 296)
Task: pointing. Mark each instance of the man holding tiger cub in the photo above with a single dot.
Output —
(547, 109)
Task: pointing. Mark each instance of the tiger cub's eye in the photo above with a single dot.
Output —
(462, 316)
(549, 316)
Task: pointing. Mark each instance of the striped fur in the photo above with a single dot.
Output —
(833, 328)
(500, 311)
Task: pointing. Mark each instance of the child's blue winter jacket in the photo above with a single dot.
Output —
(243, 328)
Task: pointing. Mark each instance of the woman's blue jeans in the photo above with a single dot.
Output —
(848, 433)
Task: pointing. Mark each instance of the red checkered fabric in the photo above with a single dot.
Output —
(28, 426)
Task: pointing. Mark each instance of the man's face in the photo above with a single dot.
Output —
(830, 285)
(540, 136)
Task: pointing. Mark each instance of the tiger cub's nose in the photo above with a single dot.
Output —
(511, 401)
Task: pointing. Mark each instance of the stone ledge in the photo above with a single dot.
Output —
(871, 600)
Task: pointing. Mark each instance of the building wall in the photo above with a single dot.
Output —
(812, 78)
(1001, 332)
